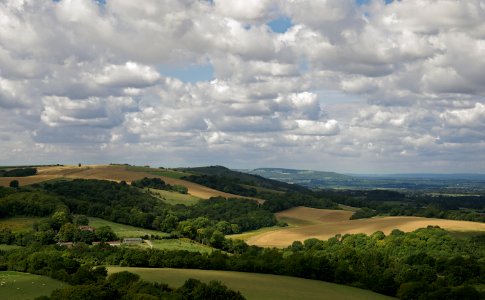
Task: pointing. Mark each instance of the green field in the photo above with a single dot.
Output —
(123, 230)
(258, 286)
(180, 244)
(174, 198)
(17, 285)
(18, 224)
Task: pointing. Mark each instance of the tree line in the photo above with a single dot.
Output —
(18, 172)
(428, 263)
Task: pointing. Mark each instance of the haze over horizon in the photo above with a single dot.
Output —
(349, 86)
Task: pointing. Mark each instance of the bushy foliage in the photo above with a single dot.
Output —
(29, 203)
(427, 262)
(18, 172)
(248, 215)
(224, 184)
(363, 213)
(157, 183)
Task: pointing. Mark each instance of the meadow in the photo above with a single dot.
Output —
(257, 286)
(20, 286)
(174, 198)
(122, 230)
(18, 224)
(180, 244)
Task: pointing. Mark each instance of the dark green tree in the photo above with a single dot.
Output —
(14, 184)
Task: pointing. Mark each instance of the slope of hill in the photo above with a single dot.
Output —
(257, 286)
(324, 224)
(253, 180)
(114, 173)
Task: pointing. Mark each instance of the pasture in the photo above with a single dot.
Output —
(18, 224)
(324, 224)
(20, 286)
(174, 198)
(257, 286)
(122, 230)
(180, 244)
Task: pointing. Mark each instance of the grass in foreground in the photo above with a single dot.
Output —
(19, 224)
(19, 286)
(257, 286)
(123, 230)
(174, 198)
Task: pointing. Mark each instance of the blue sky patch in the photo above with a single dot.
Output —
(280, 25)
(364, 2)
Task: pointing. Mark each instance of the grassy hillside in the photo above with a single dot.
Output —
(123, 230)
(174, 198)
(258, 286)
(20, 286)
(181, 244)
(17, 224)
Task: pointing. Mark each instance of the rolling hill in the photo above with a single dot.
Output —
(323, 224)
(257, 286)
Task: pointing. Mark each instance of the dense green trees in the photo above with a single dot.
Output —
(420, 204)
(18, 172)
(427, 262)
(157, 183)
(29, 203)
(225, 184)
(363, 213)
(14, 184)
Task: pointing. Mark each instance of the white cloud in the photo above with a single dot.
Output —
(75, 72)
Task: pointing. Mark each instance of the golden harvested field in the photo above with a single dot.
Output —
(315, 215)
(324, 224)
(110, 172)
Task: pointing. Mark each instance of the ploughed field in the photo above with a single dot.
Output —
(112, 172)
(257, 286)
(323, 224)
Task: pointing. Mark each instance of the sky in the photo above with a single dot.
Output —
(360, 86)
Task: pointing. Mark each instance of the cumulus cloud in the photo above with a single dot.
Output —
(78, 74)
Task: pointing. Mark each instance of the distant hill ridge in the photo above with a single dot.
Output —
(256, 180)
(306, 178)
